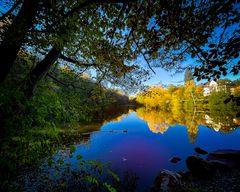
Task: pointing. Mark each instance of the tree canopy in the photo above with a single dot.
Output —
(111, 36)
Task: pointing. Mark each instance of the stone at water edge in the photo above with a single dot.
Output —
(200, 151)
(219, 165)
(174, 159)
(200, 167)
(230, 157)
(166, 180)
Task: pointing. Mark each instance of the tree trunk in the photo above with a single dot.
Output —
(41, 70)
(14, 36)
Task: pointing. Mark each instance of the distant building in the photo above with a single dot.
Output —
(212, 86)
(206, 91)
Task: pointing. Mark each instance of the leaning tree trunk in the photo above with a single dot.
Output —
(14, 36)
(41, 70)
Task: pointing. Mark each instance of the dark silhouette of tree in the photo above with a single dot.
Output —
(14, 36)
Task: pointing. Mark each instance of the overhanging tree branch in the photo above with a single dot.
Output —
(224, 30)
(199, 50)
(55, 79)
(65, 58)
(71, 84)
(144, 56)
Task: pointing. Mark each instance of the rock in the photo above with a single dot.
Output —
(174, 159)
(200, 167)
(229, 157)
(225, 154)
(200, 151)
(166, 180)
(219, 165)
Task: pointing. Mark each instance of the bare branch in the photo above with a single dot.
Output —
(57, 80)
(199, 50)
(224, 29)
(65, 58)
(144, 56)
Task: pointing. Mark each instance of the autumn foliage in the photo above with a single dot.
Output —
(171, 97)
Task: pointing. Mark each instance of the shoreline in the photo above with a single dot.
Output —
(219, 171)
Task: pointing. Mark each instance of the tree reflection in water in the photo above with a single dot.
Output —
(219, 120)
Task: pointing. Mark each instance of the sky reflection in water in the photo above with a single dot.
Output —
(146, 152)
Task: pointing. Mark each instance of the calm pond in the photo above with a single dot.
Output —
(143, 141)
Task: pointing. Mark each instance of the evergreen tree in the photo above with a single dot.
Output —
(188, 75)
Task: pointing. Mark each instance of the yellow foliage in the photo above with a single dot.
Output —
(164, 98)
(159, 120)
(236, 90)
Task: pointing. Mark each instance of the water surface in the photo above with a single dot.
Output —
(143, 141)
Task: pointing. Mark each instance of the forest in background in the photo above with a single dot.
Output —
(189, 95)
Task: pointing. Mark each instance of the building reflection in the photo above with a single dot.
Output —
(224, 124)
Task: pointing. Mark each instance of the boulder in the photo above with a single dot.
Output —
(174, 159)
(200, 151)
(229, 157)
(200, 167)
(219, 165)
(166, 180)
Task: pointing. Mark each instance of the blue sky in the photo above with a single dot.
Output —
(164, 77)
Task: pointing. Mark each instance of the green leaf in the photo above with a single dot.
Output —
(79, 157)
(72, 148)
(91, 179)
(60, 161)
(50, 162)
(109, 187)
(113, 174)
